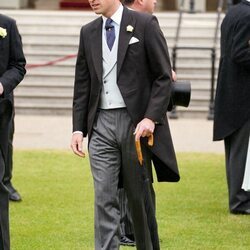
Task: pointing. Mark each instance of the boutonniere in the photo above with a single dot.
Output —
(3, 32)
(130, 28)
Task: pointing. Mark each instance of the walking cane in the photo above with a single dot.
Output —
(150, 210)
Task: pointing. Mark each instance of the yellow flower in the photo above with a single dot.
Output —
(3, 32)
(130, 28)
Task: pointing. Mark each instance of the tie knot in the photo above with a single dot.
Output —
(108, 24)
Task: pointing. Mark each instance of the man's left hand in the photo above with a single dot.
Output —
(144, 128)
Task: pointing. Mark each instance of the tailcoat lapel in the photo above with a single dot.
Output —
(123, 43)
(96, 48)
(124, 37)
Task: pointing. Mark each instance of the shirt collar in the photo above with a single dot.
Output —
(116, 17)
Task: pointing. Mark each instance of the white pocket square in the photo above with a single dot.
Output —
(133, 40)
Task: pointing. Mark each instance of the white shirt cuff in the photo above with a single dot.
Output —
(78, 132)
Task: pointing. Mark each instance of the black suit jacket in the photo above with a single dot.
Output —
(12, 60)
(232, 102)
(143, 77)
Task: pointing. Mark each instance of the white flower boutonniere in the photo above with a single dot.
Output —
(130, 28)
(3, 32)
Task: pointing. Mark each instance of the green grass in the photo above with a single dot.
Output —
(57, 208)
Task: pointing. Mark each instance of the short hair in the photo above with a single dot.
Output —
(128, 2)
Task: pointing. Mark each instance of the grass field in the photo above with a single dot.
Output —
(57, 208)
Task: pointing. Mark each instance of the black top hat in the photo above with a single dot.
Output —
(180, 94)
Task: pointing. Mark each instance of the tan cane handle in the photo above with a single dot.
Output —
(138, 147)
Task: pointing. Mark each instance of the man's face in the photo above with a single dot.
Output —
(104, 7)
(149, 5)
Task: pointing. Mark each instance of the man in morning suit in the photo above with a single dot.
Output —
(232, 102)
(121, 94)
(12, 71)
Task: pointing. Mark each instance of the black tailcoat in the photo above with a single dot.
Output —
(232, 102)
(143, 77)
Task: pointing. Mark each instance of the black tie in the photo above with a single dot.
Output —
(110, 33)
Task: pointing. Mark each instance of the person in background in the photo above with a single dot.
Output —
(232, 102)
(147, 6)
(12, 71)
(115, 106)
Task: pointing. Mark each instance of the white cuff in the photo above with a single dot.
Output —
(77, 132)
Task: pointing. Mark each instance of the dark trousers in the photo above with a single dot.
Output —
(236, 146)
(5, 116)
(4, 196)
(9, 160)
(112, 153)
(4, 219)
(126, 224)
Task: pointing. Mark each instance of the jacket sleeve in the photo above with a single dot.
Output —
(241, 42)
(81, 90)
(16, 66)
(160, 68)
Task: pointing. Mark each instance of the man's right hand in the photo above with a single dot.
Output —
(1, 88)
(76, 144)
(174, 76)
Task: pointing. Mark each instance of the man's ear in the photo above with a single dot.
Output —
(141, 2)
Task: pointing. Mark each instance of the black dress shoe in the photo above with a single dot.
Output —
(13, 193)
(15, 196)
(238, 211)
(125, 241)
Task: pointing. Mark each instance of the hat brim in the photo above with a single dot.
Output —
(180, 94)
